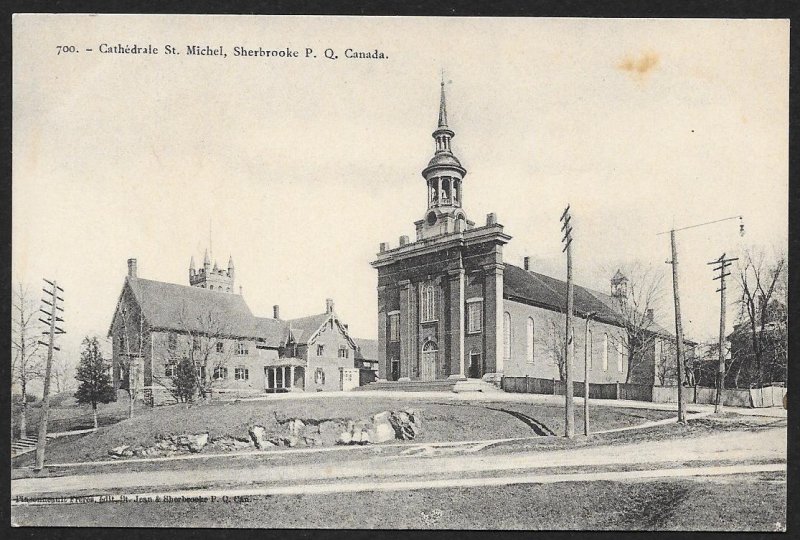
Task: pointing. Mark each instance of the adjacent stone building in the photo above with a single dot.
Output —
(449, 306)
(157, 324)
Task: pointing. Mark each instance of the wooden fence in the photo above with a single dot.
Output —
(770, 396)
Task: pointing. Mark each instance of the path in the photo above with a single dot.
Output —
(763, 446)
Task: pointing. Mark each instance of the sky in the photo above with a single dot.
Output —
(300, 167)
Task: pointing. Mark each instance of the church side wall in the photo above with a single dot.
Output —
(543, 364)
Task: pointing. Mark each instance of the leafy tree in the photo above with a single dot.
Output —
(184, 382)
(95, 383)
(26, 360)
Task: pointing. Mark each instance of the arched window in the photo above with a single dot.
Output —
(428, 303)
(605, 352)
(620, 356)
(529, 339)
(506, 336)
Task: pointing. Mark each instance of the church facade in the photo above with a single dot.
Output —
(450, 306)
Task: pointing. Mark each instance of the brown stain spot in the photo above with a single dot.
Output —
(639, 66)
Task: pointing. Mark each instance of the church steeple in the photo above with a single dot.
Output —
(444, 176)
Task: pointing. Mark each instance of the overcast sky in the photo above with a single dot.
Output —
(304, 166)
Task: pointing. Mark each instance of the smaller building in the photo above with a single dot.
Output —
(157, 325)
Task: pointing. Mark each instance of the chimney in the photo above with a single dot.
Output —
(526, 262)
(328, 305)
(384, 246)
(132, 268)
(276, 311)
(403, 240)
(491, 219)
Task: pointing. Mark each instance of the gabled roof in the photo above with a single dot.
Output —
(274, 332)
(304, 328)
(167, 306)
(538, 289)
(367, 349)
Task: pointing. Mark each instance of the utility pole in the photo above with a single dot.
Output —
(676, 292)
(723, 264)
(51, 322)
(678, 328)
(586, 375)
(569, 409)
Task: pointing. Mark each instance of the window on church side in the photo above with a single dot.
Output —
(428, 304)
(529, 340)
(242, 349)
(394, 327)
(474, 316)
(605, 352)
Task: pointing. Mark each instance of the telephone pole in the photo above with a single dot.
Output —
(722, 263)
(678, 328)
(52, 319)
(569, 409)
(676, 293)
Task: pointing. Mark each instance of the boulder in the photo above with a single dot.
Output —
(382, 429)
(329, 432)
(120, 451)
(193, 443)
(407, 424)
(296, 427)
(258, 434)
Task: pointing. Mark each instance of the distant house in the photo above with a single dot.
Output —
(156, 325)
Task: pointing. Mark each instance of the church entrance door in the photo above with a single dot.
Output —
(428, 367)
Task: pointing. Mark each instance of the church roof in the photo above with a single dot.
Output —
(551, 293)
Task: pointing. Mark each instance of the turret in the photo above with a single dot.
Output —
(192, 269)
(207, 263)
(230, 267)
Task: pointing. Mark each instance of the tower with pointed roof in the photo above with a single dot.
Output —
(440, 297)
(212, 277)
(444, 177)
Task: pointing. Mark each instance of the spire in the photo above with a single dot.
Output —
(216, 268)
(191, 263)
(206, 259)
(442, 107)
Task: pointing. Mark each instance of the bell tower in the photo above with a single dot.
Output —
(212, 278)
(444, 177)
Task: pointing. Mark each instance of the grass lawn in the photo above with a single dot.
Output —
(443, 420)
(734, 503)
(65, 415)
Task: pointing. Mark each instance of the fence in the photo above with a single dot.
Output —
(769, 396)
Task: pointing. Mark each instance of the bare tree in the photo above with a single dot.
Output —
(129, 358)
(759, 342)
(638, 301)
(63, 373)
(201, 339)
(556, 345)
(666, 362)
(26, 361)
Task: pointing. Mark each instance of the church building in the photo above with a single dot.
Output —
(450, 306)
